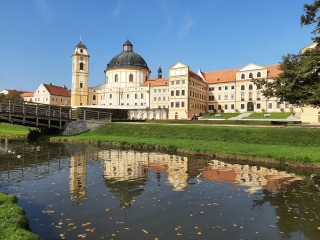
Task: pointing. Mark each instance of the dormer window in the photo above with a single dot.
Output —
(81, 50)
(243, 76)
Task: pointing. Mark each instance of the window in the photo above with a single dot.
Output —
(232, 106)
(232, 87)
(93, 97)
(178, 82)
(250, 75)
(116, 78)
(183, 82)
(177, 104)
(81, 66)
(135, 96)
(211, 98)
(81, 50)
(258, 86)
(243, 87)
(225, 87)
(278, 105)
(250, 87)
(232, 96)
(219, 88)
(242, 106)
(130, 78)
(164, 98)
(177, 93)
(242, 96)
(250, 96)
(172, 93)
(182, 104)
(141, 95)
(182, 92)
(81, 85)
(159, 99)
(219, 107)
(225, 96)
(269, 105)
(154, 99)
(172, 82)
(211, 107)
(172, 104)
(258, 74)
(258, 106)
(258, 95)
(219, 97)
(243, 76)
(128, 96)
(226, 106)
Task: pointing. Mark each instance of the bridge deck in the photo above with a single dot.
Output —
(47, 116)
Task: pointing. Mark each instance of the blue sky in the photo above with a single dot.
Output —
(37, 37)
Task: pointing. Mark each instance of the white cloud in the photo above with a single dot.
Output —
(42, 7)
(116, 11)
(187, 24)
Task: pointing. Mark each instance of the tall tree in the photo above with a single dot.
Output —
(311, 16)
(14, 96)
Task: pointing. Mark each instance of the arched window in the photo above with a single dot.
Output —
(130, 78)
(81, 50)
(243, 76)
(243, 87)
(258, 74)
(81, 66)
(116, 78)
(250, 87)
(250, 75)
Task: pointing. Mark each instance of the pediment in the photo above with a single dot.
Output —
(251, 67)
(179, 65)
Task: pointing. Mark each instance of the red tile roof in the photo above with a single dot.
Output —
(156, 82)
(273, 70)
(57, 90)
(27, 94)
(18, 91)
(221, 76)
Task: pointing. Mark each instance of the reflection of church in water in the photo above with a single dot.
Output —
(126, 172)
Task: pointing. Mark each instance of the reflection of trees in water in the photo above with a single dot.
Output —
(126, 190)
(297, 206)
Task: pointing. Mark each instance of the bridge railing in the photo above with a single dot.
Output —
(89, 114)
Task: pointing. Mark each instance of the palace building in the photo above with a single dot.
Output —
(184, 93)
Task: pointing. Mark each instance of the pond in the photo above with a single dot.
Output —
(82, 191)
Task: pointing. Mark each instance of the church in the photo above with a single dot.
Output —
(184, 93)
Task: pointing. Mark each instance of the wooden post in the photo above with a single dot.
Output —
(24, 113)
(60, 120)
(49, 117)
(9, 111)
(37, 117)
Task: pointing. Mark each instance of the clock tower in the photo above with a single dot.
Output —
(80, 74)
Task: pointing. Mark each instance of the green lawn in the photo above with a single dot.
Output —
(222, 116)
(285, 144)
(9, 129)
(13, 222)
(277, 115)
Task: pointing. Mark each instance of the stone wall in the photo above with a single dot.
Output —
(81, 126)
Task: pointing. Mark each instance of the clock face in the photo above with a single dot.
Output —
(81, 58)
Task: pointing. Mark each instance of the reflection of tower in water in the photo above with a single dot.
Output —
(78, 177)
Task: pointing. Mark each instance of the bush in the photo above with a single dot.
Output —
(263, 110)
(237, 111)
(33, 134)
(282, 110)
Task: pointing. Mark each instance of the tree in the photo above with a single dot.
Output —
(14, 97)
(299, 81)
(311, 16)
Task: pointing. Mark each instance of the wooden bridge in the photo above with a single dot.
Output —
(47, 116)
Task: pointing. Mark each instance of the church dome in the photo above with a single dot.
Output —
(127, 59)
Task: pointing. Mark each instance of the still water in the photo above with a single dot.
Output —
(82, 191)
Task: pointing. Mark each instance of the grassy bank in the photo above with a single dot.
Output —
(7, 129)
(295, 145)
(13, 223)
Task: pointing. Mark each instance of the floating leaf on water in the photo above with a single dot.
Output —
(199, 233)
(145, 231)
(48, 211)
(85, 224)
(82, 236)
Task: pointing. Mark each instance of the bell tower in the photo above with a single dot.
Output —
(80, 74)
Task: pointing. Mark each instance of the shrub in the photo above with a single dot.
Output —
(237, 111)
(263, 110)
(282, 110)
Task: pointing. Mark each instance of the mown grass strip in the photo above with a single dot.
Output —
(290, 144)
(274, 115)
(13, 223)
(14, 130)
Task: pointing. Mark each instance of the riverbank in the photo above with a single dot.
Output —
(289, 145)
(13, 222)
